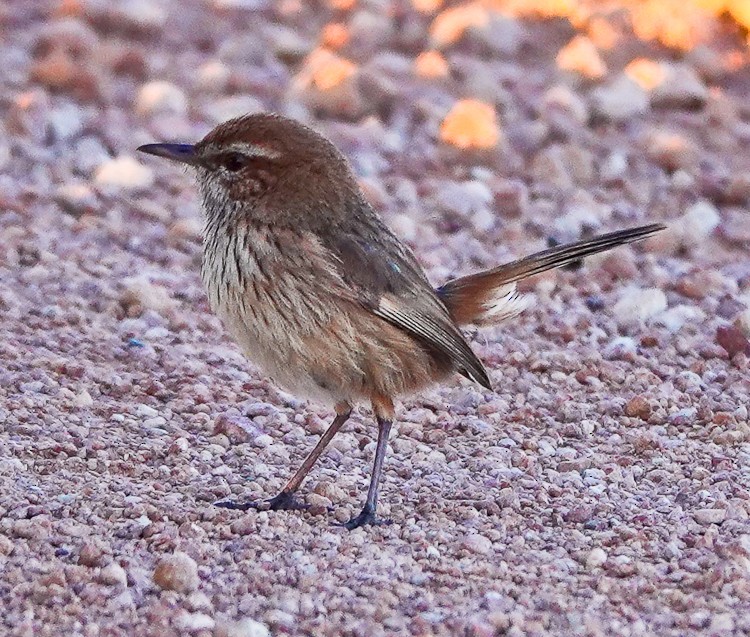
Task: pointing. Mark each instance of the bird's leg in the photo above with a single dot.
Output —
(285, 500)
(384, 415)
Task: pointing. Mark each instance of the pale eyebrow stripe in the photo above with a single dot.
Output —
(252, 150)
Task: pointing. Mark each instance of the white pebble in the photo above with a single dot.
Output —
(596, 557)
(698, 222)
(151, 296)
(615, 167)
(144, 14)
(674, 318)
(160, 97)
(113, 575)
(264, 440)
(194, 622)
(709, 516)
(221, 109)
(146, 411)
(619, 100)
(156, 333)
(66, 122)
(124, 172)
(180, 445)
(404, 227)
(213, 76)
(640, 304)
(721, 624)
(478, 544)
(681, 88)
(242, 628)
(83, 399)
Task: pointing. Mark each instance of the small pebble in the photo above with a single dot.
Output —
(675, 317)
(638, 407)
(242, 628)
(140, 291)
(619, 100)
(91, 554)
(451, 24)
(328, 82)
(125, 173)
(698, 222)
(113, 575)
(709, 516)
(263, 441)
(177, 572)
(622, 347)
(732, 340)
(640, 304)
(680, 88)
(470, 124)
(477, 543)
(83, 399)
(580, 55)
(160, 97)
(670, 150)
(194, 622)
(596, 558)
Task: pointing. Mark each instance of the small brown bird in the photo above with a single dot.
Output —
(322, 295)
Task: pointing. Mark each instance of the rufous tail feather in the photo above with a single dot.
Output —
(491, 297)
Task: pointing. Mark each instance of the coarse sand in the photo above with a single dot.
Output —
(600, 490)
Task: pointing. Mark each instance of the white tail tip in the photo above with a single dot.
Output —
(504, 303)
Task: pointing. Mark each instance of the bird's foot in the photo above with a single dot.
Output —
(365, 518)
(284, 501)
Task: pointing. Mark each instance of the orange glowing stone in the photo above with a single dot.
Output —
(333, 73)
(325, 70)
(675, 23)
(69, 8)
(450, 25)
(431, 64)
(25, 100)
(342, 5)
(581, 56)
(602, 33)
(427, 6)
(648, 74)
(334, 35)
(740, 11)
(471, 124)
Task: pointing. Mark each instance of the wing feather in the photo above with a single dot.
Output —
(386, 279)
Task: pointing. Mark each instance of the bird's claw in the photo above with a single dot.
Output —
(367, 517)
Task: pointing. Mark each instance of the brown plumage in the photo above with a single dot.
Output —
(321, 294)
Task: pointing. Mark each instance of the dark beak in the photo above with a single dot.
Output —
(183, 153)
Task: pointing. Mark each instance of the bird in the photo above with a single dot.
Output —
(322, 296)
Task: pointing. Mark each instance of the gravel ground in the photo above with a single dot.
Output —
(602, 489)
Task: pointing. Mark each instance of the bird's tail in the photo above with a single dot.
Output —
(490, 296)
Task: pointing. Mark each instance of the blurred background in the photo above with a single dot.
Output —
(556, 111)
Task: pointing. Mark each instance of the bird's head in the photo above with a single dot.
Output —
(267, 167)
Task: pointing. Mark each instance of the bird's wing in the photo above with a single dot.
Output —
(386, 279)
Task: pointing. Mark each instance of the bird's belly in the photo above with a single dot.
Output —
(293, 324)
(272, 324)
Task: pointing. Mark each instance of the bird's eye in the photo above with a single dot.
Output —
(234, 162)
